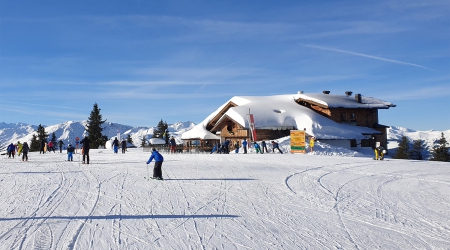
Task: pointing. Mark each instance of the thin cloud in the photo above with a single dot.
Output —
(41, 105)
(364, 55)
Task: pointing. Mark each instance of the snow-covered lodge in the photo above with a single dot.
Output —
(344, 120)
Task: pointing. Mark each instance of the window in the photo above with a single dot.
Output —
(343, 117)
(353, 117)
(353, 143)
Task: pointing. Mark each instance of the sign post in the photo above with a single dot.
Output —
(298, 141)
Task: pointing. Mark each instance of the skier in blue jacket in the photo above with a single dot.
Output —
(157, 172)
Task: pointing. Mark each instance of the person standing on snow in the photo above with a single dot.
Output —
(11, 150)
(70, 150)
(51, 147)
(124, 146)
(311, 144)
(25, 150)
(115, 145)
(244, 145)
(173, 144)
(19, 148)
(41, 148)
(275, 146)
(264, 147)
(60, 145)
(86, 146)
(157, 171)
(257, 148)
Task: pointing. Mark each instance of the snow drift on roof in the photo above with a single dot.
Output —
(280, 112)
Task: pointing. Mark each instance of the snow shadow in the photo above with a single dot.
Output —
(41, 172)
(211, 179)
(125, 217)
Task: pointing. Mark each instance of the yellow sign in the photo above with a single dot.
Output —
(298, 141)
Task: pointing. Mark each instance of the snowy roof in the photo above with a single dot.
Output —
(279, 112)
(344, 101)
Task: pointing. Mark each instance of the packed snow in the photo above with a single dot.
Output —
(224, 201)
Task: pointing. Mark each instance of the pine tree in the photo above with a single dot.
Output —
(53, 139)
(161, 130)
(440, 151)
(143, 142)
(418, 148)
(94, 128)
(129, 139)
(34, 144)
(41, 134)
(403, 149)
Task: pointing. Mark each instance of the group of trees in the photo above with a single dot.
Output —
(93, 128)
(94, 131)
(416, 149)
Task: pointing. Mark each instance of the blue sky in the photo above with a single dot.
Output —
(143, 61)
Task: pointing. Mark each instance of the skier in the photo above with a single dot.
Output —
(70, 150)
(264, 146)
(157, 172)
(257, 148)
(86, 146)
(124, 146)
(244, 145)
(214, 149)
(275, 146)
(11, 150)
(380, 153)
(115, 145)
(226, 147)
(19, 148)
(50, 147)
(25, 150)
(41, 148)
(173, 144)
(236, 146)
(311, 144)
(60, 145)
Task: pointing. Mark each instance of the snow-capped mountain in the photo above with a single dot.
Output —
(68, 131)
(429, 138)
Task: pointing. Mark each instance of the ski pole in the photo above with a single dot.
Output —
(148, 173)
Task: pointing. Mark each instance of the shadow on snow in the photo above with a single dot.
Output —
(123, 217)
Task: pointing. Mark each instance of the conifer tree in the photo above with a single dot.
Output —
(53, 139)
(403, 149)
(94, 128)
(144, 141)
(417, 150)
(129, 139)
(34, 144)
(440, 151)
(41, 134)
(161, 130)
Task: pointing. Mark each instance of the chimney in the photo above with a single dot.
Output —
(358, 98)
(348, 93)
(326, 92)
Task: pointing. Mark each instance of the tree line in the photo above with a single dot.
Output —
(94, 131)
(415, 150)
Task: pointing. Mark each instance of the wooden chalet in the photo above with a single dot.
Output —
(230, 121)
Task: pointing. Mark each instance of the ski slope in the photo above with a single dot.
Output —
(235, 201)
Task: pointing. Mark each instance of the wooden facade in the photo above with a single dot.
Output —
(365, 117)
